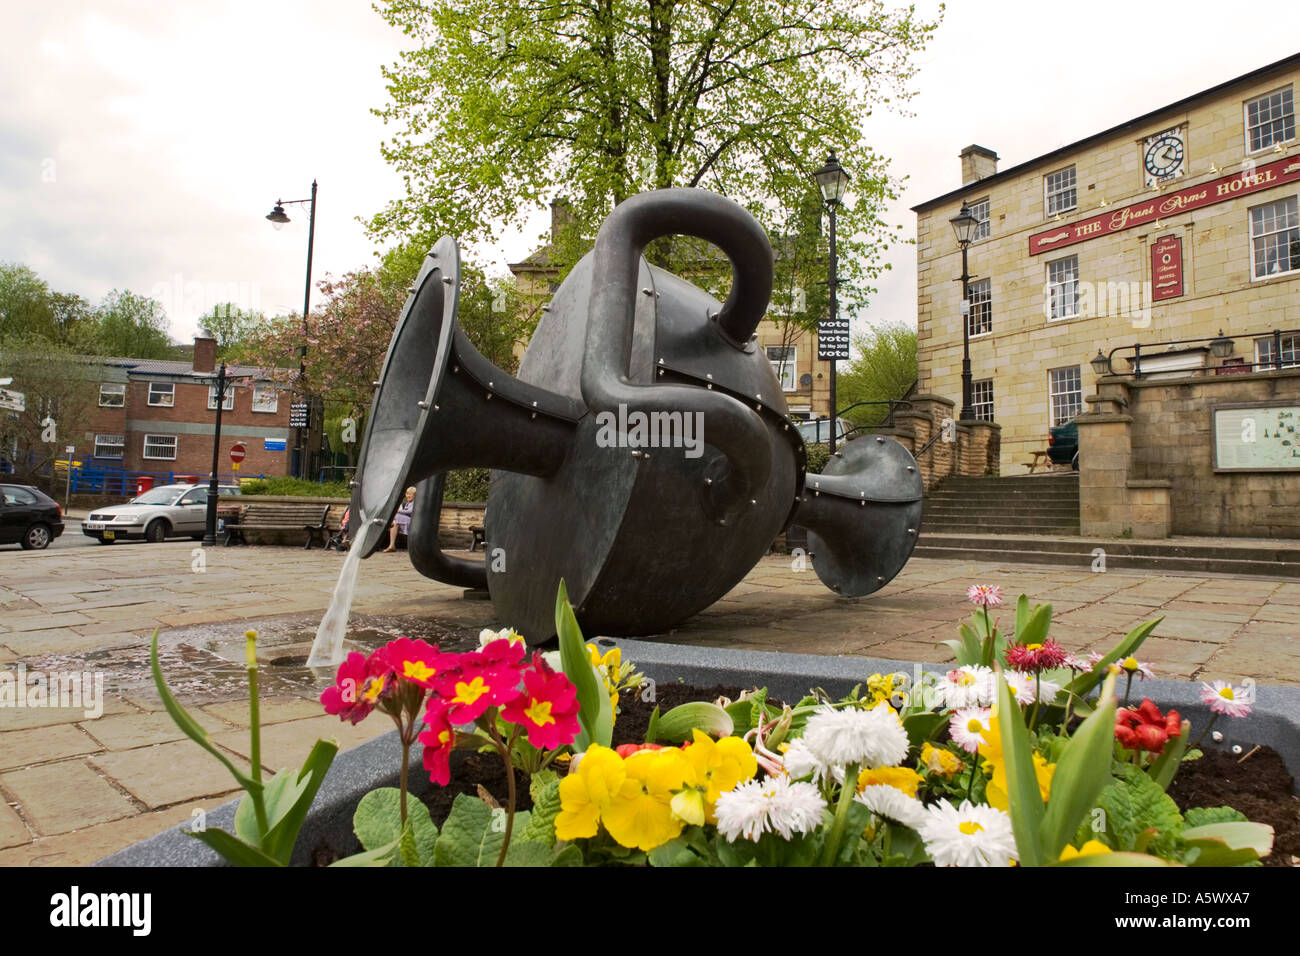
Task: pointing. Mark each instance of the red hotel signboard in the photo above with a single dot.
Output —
(1149, 210)
(1166, 268)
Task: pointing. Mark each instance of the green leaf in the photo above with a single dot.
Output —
(1022, 615)
(1036, 627)
(1233, 835)
(676, 852)
(473, 833)
(1084, 683)
(1082, 773)
(188, 725)
(1114, 859)
(235, 851)
(594, 712)
(1164, 767)
(288, 819)
(567, 855)
(652, 728)
(538, 782)
(527, 853)
(1023, 798)
(380, 856)
(377, 822)
(1202, 816)
(676, 726)
(1135, 804)
(923, 726)
(546, 807)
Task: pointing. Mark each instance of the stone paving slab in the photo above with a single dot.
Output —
(63, 796)
(126, 731)
(164, 774)
(43, 744)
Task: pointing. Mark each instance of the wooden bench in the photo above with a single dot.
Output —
(477, 532)
(1038, 460)
(281, 516)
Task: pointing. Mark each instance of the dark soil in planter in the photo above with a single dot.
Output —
(1259, 786)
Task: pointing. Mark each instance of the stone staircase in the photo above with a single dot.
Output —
(1029, 504)
(1034, 519)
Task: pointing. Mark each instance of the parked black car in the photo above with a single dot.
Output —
(1063, 444)
(28, 516)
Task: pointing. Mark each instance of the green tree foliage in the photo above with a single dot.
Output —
(498, 108)
(26, 308)
(231, 326)
(884, 369)
(132, 325)
(60, 396)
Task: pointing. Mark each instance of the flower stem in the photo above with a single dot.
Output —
(1192, 745)
(1038, 699)
(974, 768)
(406, 762)
(832, 847)
(1128, 684)
(504, 750)
(255, 732)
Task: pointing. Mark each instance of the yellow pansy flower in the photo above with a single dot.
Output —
(719, 766)
(586, 793)
(640, 814)
(1091, 848)
(903, 779)
(996, 793)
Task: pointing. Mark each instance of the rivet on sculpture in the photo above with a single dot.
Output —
(643, 536)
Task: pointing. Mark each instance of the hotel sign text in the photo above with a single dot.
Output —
(1149, 211)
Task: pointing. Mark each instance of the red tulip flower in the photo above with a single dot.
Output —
(1146, 728)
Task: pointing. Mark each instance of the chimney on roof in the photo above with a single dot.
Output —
(977, 163)
(561, 216)
(205, 353)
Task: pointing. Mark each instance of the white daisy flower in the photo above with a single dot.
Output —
(801, 762)
(869, 738)
(969, 835)
(890, 802)
(773, 805)
(1022, 686)
(969, 727)
(969, 686)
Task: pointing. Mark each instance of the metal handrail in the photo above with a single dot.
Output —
(1136, 347)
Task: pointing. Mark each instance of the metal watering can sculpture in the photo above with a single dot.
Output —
(628, 358)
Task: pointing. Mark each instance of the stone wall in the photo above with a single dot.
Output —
(1146, 451)
(967, 448)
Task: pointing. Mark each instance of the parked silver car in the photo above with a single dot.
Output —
(155, 515)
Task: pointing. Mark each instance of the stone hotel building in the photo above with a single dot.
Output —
(1173, 225)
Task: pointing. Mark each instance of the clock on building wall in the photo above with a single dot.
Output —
(1164, 156)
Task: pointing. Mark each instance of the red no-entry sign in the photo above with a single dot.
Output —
(237, 452)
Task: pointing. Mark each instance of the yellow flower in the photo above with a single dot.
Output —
(940, 761)
(586, 793)
(1091, 848)
(719, 766)
(995, 761)
(607, 666)
(903, 779)
(640, 814)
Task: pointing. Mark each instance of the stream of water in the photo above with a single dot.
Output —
(327, 648)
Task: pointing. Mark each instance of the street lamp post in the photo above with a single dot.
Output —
(278, 218)
(210, 525)
(964, 225)
(832, 180)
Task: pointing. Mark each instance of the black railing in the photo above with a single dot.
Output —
(1137, 352)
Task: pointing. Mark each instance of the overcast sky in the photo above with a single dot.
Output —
(142, 143)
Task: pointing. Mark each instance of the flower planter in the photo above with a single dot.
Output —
(1275, 722)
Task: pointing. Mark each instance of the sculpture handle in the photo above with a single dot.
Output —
(732, 426)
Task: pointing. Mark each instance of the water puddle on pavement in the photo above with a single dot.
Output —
(205, 663)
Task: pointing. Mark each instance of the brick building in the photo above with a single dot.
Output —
(159, 416)
(1173, 225)
(804, 378)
